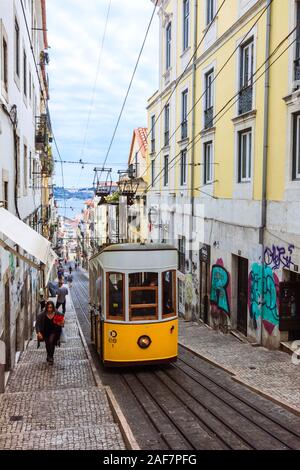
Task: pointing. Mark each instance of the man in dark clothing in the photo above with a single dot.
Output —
(47, 331)
(62, 293)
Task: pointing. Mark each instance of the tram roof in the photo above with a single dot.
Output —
(136, 247)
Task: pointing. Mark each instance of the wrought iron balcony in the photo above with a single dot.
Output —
(245, 99)
(297, 69)
(42, 132)
(184, 130)
(209, 117)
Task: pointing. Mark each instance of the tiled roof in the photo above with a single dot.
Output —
(141, 133)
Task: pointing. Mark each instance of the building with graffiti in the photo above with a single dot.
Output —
(223, 162)
(27, 216)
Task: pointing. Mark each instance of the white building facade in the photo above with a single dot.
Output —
(23, 99)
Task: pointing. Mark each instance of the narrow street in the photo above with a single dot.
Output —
(192, 404)
(59, 407)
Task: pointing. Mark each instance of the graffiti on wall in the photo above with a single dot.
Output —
(263, 297)
(278, 257)
(220, 282)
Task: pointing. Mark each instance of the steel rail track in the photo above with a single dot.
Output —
(236, 395)
(206, 422)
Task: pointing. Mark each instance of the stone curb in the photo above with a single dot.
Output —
(126, 432)
(117, 413)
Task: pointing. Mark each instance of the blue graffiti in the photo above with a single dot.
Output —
(219, 285)
(278, 257)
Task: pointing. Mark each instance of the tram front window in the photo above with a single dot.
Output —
(143, 295)
(115, 289)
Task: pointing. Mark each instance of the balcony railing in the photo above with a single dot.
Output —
(245, 100)
(209, 117)
(297, 69)
(42, 132)
(184, 130)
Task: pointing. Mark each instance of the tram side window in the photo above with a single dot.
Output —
(99, 291)
(115, 290)
(169, 293)
(143, 296)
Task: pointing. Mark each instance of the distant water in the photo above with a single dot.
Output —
(74, 207)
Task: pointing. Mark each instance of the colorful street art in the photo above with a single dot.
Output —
(220, 282)
(263, 297)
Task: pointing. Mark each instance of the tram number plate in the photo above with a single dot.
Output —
(113, 341)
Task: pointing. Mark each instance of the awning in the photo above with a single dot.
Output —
(29, 240)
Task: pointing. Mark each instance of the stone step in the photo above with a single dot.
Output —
(106, 437)
(48, 410)
(64, 374)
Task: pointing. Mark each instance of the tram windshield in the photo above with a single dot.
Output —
(115, 287)
(143, 296)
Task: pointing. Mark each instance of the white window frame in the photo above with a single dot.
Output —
(186, 25)
(183, 167)
(167, 124)
(17, 51)
(3, 36)
(168, 36)
(247, 162)
(210, 11)
(208, 168)
(209, 89)
(166, 170)
(296, 148)
(184, 111)
(152, 133)
(153, 173)
(247, 46)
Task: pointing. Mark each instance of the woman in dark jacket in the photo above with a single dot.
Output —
(47, 331)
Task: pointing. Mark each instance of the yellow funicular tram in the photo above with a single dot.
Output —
(134, 304)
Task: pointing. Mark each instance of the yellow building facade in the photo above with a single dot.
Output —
(224, 162)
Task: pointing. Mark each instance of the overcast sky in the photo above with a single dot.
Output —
(75, 30)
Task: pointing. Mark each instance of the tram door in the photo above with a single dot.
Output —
(204, 282)
(242, 295)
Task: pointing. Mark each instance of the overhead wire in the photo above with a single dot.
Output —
(230, 102)
(129, 86)
(177, 81)
(262, 12)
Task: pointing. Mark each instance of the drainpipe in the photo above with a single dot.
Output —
(192, 199)
(264, 204)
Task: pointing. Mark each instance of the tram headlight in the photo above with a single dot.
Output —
(144, 342)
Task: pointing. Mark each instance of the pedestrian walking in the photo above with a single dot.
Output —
(70, 280)
(62, 293)
(70, 269)
(48, 329)
(60, 273)
(42, 300)
(76, 266)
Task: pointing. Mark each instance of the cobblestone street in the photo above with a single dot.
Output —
(270, 372)
(59, 407)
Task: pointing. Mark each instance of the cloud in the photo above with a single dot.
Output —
(75, 36)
